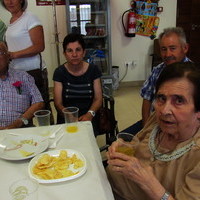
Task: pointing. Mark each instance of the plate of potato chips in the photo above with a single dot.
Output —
(21, 147)
(57, 166)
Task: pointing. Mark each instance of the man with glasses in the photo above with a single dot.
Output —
(19, 96)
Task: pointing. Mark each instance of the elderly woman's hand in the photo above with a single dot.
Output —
(129, 166)
(134, 170)
(111, 150)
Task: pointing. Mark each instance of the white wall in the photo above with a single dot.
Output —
(140, 47)
(123, 48)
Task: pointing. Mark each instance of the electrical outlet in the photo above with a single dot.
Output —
(134, 63)
(128, 63)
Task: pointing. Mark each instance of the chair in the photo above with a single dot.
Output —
(108, 123)
(156, 57)
(41, 81)
(48, 106)
(135, 128)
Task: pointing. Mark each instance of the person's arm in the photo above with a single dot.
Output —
(97, 101)
(146, 110)
(28, 115)
(147, 92)
(143, 176)
(58, 96)
(37, 38)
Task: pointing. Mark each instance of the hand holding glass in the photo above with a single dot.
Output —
(127, 143)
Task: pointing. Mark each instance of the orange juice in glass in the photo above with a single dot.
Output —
(127, 143)
(72, 128)
(71, 119)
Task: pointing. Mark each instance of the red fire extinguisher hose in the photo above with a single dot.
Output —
(125, 30)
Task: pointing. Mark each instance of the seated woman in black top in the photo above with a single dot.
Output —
(77, 83)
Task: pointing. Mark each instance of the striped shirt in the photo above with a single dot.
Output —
(149, 87)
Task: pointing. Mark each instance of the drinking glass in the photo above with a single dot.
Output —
(24, 189)
(43, 117)
(71, 119)
(127, 143)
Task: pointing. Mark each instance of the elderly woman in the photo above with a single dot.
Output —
(166, 164)
(77, 83)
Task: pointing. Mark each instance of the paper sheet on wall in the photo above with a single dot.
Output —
(147, 25)
(144, 8)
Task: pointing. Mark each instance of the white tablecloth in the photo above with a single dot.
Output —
(93, 185)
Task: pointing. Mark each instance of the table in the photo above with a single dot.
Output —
(93, 185)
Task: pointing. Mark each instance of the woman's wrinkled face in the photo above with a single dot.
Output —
(74, 53)
(13, 6)
(174, 106)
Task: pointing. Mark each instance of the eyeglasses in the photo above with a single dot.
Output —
(2, 53)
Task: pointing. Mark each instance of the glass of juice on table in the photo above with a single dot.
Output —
(127, 143)
(71, 119)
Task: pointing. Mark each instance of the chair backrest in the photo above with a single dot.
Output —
(156, 48)
(107, 122)
(156, 56)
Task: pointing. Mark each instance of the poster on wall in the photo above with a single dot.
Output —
(49, 2)
(144, 8)
(147, 25)
(146, 19)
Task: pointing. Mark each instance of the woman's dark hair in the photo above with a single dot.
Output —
(24, 4)
(186, 70)
(73, 37)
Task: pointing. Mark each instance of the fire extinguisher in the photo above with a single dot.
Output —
(131, 22)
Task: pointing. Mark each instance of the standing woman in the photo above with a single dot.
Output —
(77, 83)
(25, 40)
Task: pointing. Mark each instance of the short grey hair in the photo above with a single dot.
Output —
(174, 30)
(24, 4)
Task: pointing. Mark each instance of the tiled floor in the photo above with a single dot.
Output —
(128, 104)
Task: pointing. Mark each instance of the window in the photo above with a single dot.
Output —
(78, 22)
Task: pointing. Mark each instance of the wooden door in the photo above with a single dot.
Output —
(188, 17)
